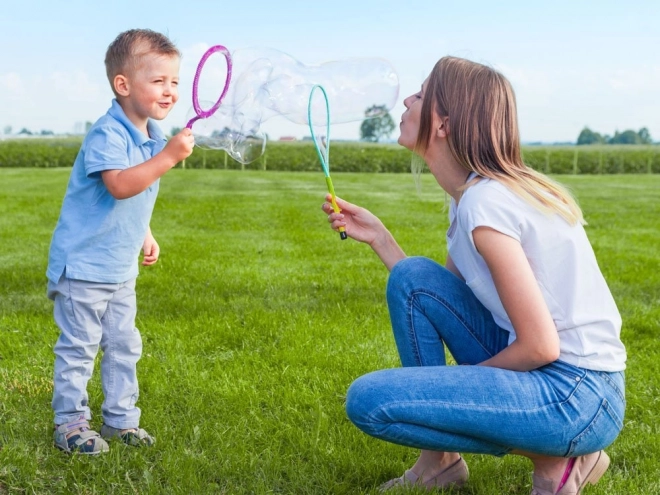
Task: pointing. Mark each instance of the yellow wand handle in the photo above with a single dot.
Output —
(331, 190)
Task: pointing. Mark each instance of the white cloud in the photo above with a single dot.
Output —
(76, 86)
(640, 79)
(52, 101)
(12, 82)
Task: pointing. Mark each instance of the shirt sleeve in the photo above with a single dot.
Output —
(492, 205)
(106, 149)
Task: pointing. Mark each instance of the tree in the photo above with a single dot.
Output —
(644, 136)
(377, 124)
(7, 129)
(175, 131)
(587, 136)
(625, 137)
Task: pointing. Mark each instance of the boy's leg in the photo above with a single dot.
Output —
(122, 348)
(78, 309)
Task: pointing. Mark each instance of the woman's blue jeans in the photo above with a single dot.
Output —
(555, 410)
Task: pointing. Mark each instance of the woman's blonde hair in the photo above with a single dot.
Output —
(483, 135)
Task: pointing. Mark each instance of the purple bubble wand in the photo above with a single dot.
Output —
(200, 113)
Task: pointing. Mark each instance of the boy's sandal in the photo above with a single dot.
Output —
(454, 476)
(137, 437)
(77, 437)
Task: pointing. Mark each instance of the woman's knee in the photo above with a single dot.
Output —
(407, 272)
(416, 272)
(364, 401)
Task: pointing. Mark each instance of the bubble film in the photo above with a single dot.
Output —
(267, 83)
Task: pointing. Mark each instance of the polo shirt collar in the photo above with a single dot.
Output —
(117, 112)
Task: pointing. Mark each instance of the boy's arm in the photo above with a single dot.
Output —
(131, 181)
(150, 249)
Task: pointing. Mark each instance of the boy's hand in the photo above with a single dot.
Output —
(180, 147)
(150, 249)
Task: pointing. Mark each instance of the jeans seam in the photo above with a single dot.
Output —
(111, 347)
(612, 384)
(410, 403)
(69, 303)
(604, 408)
(548, 379)
(412, 335)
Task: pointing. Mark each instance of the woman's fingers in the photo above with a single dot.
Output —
(340, 202)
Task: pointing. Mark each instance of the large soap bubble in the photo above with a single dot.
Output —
(267, 83)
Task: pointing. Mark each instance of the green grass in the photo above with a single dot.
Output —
(256, 320)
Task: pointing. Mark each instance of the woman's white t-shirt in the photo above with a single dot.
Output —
(563, 263)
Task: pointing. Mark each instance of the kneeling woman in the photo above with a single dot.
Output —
(521, 301)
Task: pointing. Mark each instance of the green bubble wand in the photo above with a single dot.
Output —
(324, 155)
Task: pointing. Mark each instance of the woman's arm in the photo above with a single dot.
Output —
(364, 226)
(537, 341)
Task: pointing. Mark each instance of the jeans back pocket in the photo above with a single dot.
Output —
(601, 431)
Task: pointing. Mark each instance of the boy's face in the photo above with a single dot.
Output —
(151, 90)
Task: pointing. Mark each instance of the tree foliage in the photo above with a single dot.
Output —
(587, 136)
(377, 124)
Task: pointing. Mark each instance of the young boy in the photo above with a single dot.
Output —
(104, 221)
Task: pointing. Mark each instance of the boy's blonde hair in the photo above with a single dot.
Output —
(483, 132)
(125, 52)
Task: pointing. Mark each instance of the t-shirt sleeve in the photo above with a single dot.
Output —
(493, 208)
(105, 149)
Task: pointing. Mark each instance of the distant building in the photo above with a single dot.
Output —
(288, 138)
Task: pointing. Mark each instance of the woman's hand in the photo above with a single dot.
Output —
(360, 224)
(364, 226)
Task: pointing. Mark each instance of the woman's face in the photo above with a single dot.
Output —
(410, 119)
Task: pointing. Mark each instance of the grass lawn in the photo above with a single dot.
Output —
(257, 318)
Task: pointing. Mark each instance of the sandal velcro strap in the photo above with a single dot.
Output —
(73, 426)
(137, 437)
(77, 436)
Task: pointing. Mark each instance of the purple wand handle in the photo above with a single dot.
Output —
(199, 111)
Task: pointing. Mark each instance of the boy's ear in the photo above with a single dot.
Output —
(120, 83)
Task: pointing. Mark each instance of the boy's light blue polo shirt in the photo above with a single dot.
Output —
(97, 237)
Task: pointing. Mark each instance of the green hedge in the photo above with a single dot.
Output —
(39, 152)
(594, 159)
(302, 157)
(353, 157)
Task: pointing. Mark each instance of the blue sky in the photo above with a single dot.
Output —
(571, 63)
